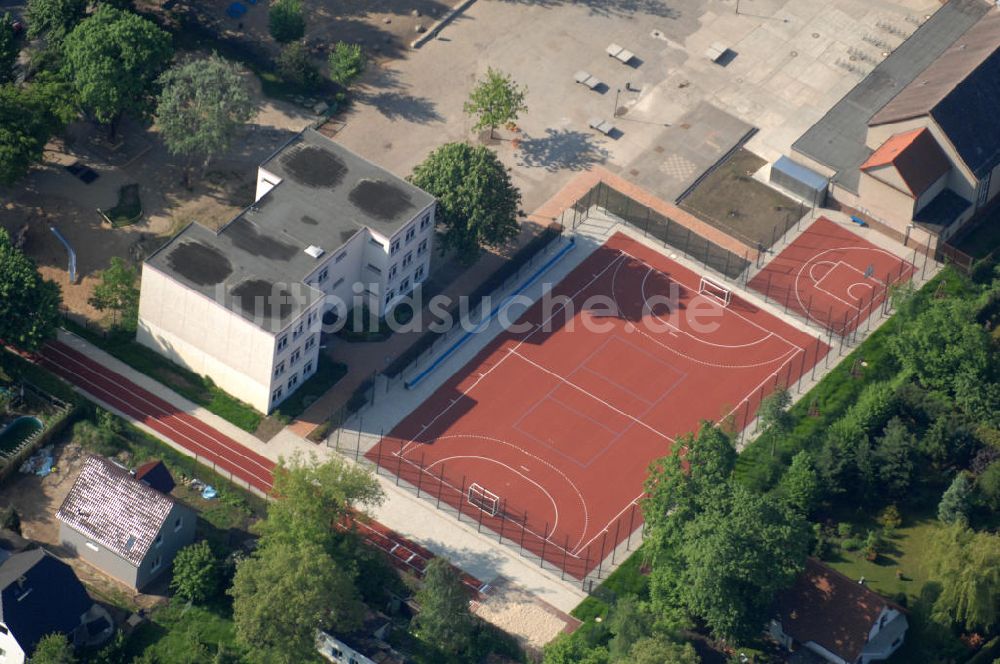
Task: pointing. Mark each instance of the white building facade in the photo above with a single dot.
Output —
(328, 231)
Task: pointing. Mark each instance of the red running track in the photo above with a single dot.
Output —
(824, 276)
(561, 418)
(210, 444)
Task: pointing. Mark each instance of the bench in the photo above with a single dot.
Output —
(859, 221)
(601, 125)
(618, 53)
(585, 78)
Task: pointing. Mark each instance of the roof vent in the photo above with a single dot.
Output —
(314, 251)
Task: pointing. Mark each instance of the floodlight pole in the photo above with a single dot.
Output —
(618, 92)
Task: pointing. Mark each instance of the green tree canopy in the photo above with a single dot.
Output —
(496, 100)
(660, 650)
(311, 496)
(477, 202)
(196, 573)
(284, 593)
(444, 619)
(203, 105)
(118, 292)
(346, 63)
(565, 649)
(988, 484)
(956, 501)
(286, 21)
(894, 459)
(10, 46)
(967, 565)
(630, 621)
(29, 304)
(29, 116)
(54, 19)
(53, 648)
(297, 68)
(800, 485)
(114, 58)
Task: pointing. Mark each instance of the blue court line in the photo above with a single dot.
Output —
(486, 321)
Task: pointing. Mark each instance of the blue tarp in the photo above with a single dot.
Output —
(236, 10)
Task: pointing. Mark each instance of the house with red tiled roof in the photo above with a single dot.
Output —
(837, 619)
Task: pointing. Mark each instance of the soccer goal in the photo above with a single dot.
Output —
(484, 499)
(716, 291)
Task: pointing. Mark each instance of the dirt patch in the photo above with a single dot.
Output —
(519, 613)
(733, 201)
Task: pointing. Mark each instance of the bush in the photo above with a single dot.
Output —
(845, 529)
(890, 519)
(296, 68)
(346, 63)
(96, 439)
(852, 544)
(286, 21)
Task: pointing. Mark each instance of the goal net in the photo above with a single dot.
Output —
(716, 291)
(484, 499)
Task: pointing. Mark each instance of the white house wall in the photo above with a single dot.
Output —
(12, 651)
(205, 337)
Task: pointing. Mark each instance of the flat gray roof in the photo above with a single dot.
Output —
(327, 194)
(837, 140)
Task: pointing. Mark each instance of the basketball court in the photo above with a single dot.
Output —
(832, 277)
(546, 435)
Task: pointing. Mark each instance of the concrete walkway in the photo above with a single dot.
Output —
(412, 518)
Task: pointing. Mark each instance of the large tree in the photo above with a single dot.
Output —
(29, 304)
(284, 593)
(118, 292)
(478, 203)
(956, 502)
(29, 116)
(54, 19)
(444, 619)
(202, 107)
(496, 100)
(660, 650)
(114, 58)
(286, 21)
(800, 484)
(967, 565)
(310, 497)
(346, 63)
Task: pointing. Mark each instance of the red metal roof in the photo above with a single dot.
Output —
(917, 157)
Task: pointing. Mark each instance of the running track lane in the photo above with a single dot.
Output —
(159, 415)
(208, 443)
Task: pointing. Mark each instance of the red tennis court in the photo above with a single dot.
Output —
(832, 276)
(555, 423)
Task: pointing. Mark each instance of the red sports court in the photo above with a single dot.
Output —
(547, 433)
(832, 276)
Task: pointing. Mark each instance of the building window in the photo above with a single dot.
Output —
(376, 243)
(323, 275)
(297, 332)
(310, 342)
(425, 222)
(92, 546)
(159, 540)
(311, 318)
(341, 256)
(895, 643)
(419, 274)
(388, 296)
(374, 269)
(394, 248)
(280, 369)
(293, 381)
(407, 259)
(276, 395)
(422, 247)
(392, 272)
(296, 354)
(157, 562)
(411, 233)
(306, 370)
(404, 285)
(337, 282)
(178, 524)
(282, 342)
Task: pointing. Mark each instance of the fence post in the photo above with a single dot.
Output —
(600, 562)
(420, 474)
(562, 570)
(441, 487)
(503, 512)
(524, 527)
(461, 499)
(545, 538)
(631, 518)
(614, 543)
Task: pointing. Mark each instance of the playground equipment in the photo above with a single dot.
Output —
(69, 250)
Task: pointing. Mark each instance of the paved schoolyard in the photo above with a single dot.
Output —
(783, 77)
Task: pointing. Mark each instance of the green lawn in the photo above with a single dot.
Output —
(180, 634)
(188, 384)
(129, 207)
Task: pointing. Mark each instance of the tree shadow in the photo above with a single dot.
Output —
(611, 7)
(401, 106)
(561, 149)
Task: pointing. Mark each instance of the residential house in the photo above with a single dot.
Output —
(121, 526)
(243, 305)
(840, 620)
(365, 646)
(40, 595)
(914, 148)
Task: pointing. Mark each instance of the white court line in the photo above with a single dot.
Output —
(607, 528)
(595, 398)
